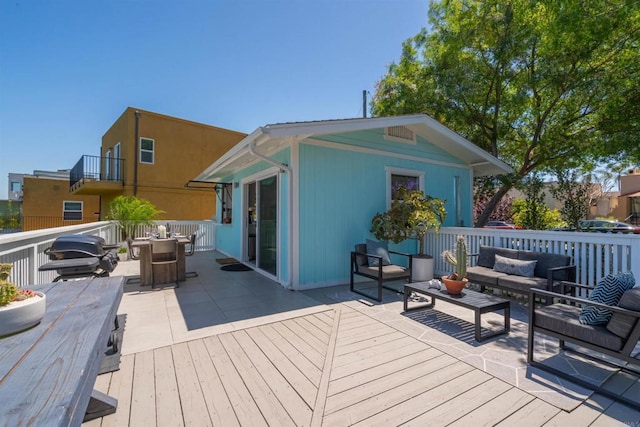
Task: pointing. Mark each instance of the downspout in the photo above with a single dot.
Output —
(135, 164)
(287, 169)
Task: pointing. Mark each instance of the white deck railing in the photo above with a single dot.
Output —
(25, 250)
(594, 254)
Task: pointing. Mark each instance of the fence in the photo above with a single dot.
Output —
(25, 250)
(594, 254)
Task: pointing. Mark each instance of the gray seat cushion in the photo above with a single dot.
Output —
(522, 284)
(622, 324)
(487, 255)
(483, 275)
(547, 261)
(388, 271)
(563, 318)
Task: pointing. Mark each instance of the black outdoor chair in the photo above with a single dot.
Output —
(617, 339)
(380, 273)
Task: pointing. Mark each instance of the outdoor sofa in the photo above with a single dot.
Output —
(520, 271)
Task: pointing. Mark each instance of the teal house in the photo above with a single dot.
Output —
(294, 198)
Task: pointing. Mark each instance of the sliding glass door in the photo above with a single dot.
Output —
(262, 219)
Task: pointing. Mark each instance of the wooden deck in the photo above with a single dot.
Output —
(334, 368)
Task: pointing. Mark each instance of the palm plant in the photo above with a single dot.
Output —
(129, 212)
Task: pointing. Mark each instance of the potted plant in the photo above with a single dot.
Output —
(20, 309)
(457, 280)
(122, 253)
(130, 212)
(411, 216)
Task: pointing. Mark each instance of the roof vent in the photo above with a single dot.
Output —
(400, 134)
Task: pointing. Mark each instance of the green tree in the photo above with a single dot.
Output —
(129, 212)
(536, 83)
(575, 193)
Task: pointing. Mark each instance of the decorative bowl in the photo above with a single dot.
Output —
(19, 316)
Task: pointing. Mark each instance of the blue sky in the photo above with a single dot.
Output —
(68, 69)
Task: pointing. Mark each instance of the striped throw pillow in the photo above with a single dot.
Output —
(608, 291)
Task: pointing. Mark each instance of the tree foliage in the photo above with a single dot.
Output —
(577, 194)
(539, 84)
(129, 212)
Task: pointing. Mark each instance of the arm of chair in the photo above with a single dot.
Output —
(583, 302)
(571, 271)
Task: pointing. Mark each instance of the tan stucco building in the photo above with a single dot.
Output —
(153, 156)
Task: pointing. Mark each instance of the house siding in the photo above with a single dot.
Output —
(334, 181)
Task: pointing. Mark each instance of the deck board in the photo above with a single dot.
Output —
(194, 407)
(218, 403)
(333, 368)
(143, 395)
(166, 387)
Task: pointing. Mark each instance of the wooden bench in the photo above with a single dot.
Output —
(47, 373)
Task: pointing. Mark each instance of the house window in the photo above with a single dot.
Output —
(226, 199)
(71, 210)
(16, 187)
(397, 178)
(147, 148)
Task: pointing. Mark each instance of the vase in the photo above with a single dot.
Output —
(19, 316)
(454, 287)
(422, 268)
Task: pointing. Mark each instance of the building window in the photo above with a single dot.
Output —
(397, 178)
(226, 199)
(147, 148)
(16, 187)
(71, 210)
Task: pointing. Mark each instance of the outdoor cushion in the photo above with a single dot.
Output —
(483, 275)
(563, 318)
(520, 284)
(621, 324)
(361, 248)
(380, 249)
(514, 266)
(547, 261)
(486, 258)
(388, 271)
(608, 291)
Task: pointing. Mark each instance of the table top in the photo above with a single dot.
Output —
(468, 297)
(47, 373)
(145, 241)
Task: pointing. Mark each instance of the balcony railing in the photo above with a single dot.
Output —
(26, 250)
(96, 168)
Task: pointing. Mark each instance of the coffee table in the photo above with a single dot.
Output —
(478, 302)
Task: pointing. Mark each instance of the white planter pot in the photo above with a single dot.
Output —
(21, 315)
(422, 269)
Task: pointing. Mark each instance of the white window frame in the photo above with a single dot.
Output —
(19, 185)
(65, 210)
(152, 151)
(406, 172)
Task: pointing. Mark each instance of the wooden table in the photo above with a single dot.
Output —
(47, 373)
(478, 302)
(146, 272)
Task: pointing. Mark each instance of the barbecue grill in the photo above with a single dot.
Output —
(78, 255)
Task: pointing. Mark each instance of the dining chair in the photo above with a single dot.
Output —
(164, 261)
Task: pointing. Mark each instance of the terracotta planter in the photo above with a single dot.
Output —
(22, 315)
(454, 287)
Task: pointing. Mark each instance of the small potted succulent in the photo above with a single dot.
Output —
(20, 309)
(457, 280)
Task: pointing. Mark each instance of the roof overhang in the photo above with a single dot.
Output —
(272, 138)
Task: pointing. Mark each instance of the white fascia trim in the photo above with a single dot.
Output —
(307, 129)
(339, 146)
(236, 151)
